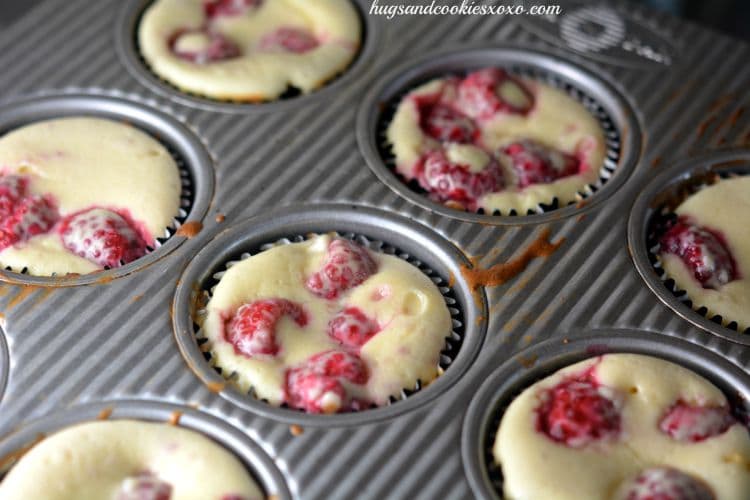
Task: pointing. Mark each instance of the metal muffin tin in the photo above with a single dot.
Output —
(508, 381)
(663, 189)
(262, 468)
(621, 131)
(111, 339)
(412, 242)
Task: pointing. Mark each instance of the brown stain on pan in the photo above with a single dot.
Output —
(296, 430)
(216, 387)
(22, 294)
(105, 413)
(189, 229)
(174, 418)
(220, 218)
(704, 126)
(529, 361)
(656, 162)
(505, 271)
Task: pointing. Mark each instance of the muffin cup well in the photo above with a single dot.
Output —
(512, 377)
(379, 231)
(190, 155)
(260, 465)
(653, 208)
(613, 112)
(126, 41)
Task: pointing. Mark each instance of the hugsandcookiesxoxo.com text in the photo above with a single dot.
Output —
(465, 8)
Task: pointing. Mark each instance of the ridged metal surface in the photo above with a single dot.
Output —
(113, 340)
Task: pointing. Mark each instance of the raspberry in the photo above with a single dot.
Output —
(346, 266)
(577, 412)
(202, 46)
(252, 329)
(289, 39)
(665, 483)
(144, 486)
(488, 91)
(352, 328)
(684, 422)
(228, 8)
(441, 122)
(23, 215)
(535, 163)
(447, 181)
(703, 250)
(316, 386)
(102, 236)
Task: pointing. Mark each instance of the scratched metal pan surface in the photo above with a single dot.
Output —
(110, 341)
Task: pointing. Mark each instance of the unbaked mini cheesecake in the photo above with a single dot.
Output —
(496, 142)
(249, 50)
(623, 426)
(82, 194)
(326, 325)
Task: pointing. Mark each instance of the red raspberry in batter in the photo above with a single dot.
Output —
(346, 266)
(252, 329)
(684, 422)
(23, 215)
(665, 483)
(576, 412)
(228, 8)
(448, 181)
(442, 122)
(105, 237)
(352, 328)
(535, 163)
(144, 486)
(216, 47)
(316, 386)
(488, 91)
(703, 250)
(290, 39)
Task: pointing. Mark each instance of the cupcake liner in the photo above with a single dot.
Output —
(129, 51)
(453, 341)
(508, 381)
(260, 466)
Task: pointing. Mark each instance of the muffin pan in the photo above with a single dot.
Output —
(190, 155)
(127, 48)
(663, 194)
(312, 164)
(601, 100)
(498, 391)
(376, 230)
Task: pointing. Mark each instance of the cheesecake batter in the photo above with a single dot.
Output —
(249, 50)
(593, 428)
(326, 345)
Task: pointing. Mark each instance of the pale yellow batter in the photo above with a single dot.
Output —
(535, 467)
(412, 312)
(99, 460)
(724, 207)
(258, 73)
(82, 163)
(556, 120)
